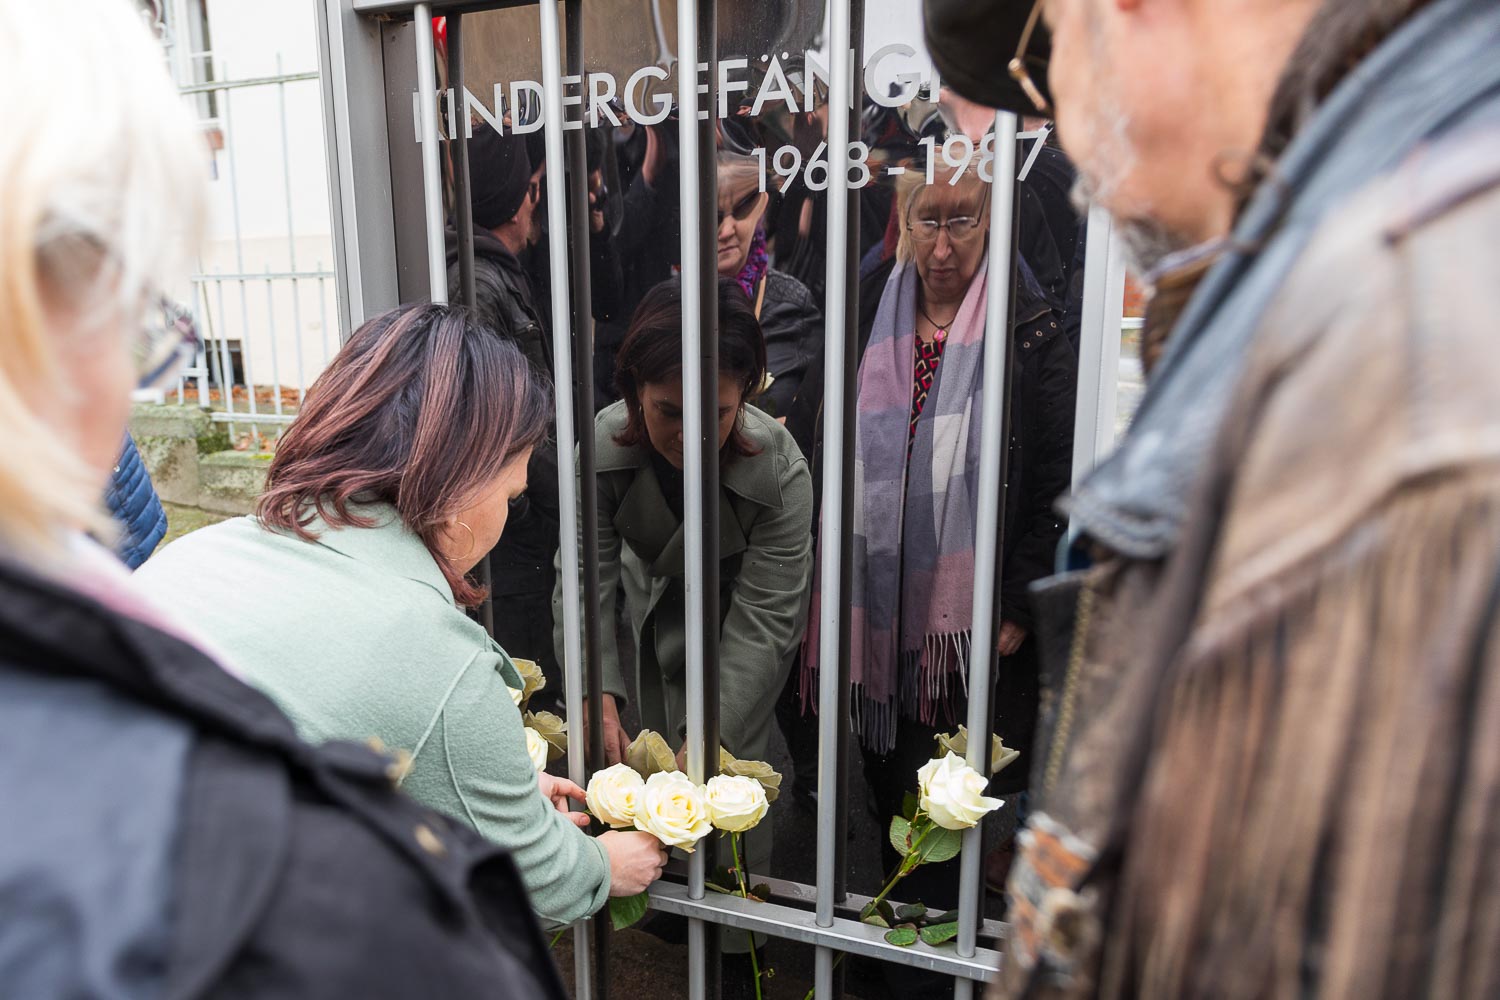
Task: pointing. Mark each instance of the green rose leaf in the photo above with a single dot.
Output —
(552, 729)
(944, 918)
(911, 912)
(877, 920)
(649, 753)
(724, 879)
(940, 845)
(761, 891)
(886, 910)
(902, 937)
(532, 679)
(627, 910)
(908, 806)
(900, 835)
(769, 778)
(938, 933)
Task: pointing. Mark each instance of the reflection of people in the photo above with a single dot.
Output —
(917, 460)
(505, 194)
(1276, 766)
(789, 318)
(392, 483)
(765, 513)
(166, 833)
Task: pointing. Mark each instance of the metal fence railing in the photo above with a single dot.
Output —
(267, 321)
(369, 170)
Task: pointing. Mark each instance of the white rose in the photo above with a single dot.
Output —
(674, 810)
(536, 746)
(614, 794)
(952, 793)
(736, 803)
(516, 694)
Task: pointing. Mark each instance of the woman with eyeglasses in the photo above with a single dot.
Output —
(343, 598)
(788, 315)
(918, 448)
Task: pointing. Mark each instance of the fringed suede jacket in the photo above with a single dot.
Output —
(1273, 767)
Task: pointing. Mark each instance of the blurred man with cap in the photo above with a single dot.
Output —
(505, 193)
(1273, 765)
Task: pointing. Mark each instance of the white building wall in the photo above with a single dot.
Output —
(269, 207)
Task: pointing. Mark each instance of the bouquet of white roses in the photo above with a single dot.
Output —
(647, 792)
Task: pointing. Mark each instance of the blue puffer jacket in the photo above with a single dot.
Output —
(133, 502)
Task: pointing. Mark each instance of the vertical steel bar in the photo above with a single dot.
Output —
(323, 314)
(708, 401)
(567, 483)
(701, 459)
(846, 472)
(291, 232)
(432, 175)
(239, 253)
(463, 213)
(205, 348)
(1099, 344)
(987, 537)
(579, 236)
(836, 318)
(271, 332)
(226, 381)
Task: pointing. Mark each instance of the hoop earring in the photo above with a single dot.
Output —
(472, 542)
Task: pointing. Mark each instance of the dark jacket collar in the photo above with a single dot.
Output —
(643, 515)
(48, 628)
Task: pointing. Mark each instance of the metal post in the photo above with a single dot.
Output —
(579, 235)
(1099, 344)
(291, 231)
(987, 535)
(432, 176)
(463, 213)
(697, 184)
(567, 483)
(831, 690)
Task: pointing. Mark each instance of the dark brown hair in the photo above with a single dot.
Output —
(421, 409)
(652, 352)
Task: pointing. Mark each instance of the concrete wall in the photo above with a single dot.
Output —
(191, 463)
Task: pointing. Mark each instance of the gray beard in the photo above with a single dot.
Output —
(1146, 241)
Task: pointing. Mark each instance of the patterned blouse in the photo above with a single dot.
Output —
(924, 373)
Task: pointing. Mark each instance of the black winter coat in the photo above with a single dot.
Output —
(792, 325)
(521, 562)
(242, 863)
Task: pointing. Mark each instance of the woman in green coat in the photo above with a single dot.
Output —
(343, 600)
(765, 521)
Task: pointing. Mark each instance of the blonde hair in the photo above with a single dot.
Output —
(103, 196)
(912, 185)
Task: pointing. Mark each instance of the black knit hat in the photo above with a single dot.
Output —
(972, 42)
(499, 175)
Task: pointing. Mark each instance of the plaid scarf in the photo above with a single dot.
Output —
(911, 602)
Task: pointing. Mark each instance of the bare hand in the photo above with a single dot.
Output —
(1011, 637)
(635, 860)
(558, 791)
(615, 740)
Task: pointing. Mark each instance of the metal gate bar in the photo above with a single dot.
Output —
(988, 540)
(567, 482)
(832, 723)
(698, 203)
(829, 927)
